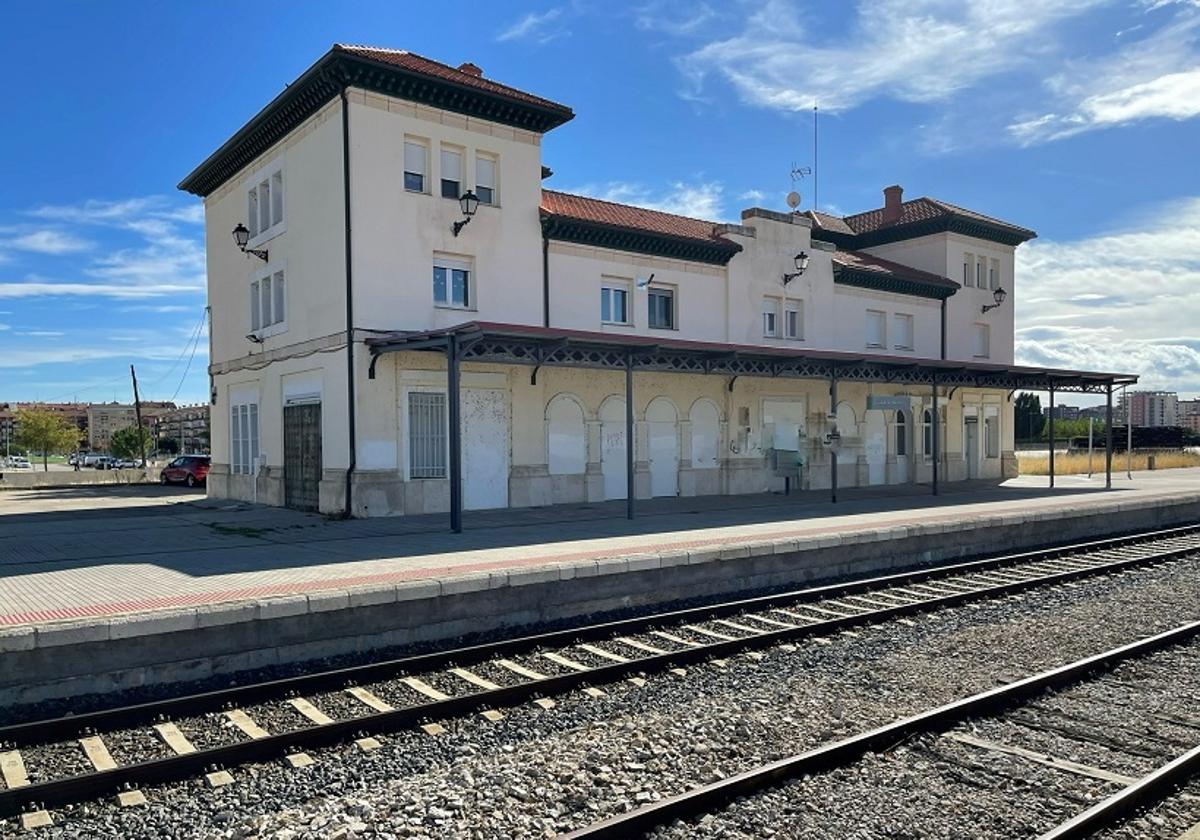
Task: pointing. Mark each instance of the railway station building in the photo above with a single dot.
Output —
(399, 299)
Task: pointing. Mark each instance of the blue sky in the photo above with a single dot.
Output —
(1078, 118)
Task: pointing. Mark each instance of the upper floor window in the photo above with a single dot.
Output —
(614, 303)
(968, 268)
(979, 281)
(994, 275)
(451, 173)
(485, 179)
(876, 328)
(770, 318)
(452, 284)
(793, 319)
(902, 331)
(662, 309)
(416, 165)
(980, 341)
(268, 301)
(264, 201)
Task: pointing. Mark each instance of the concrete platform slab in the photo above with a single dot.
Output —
(101, 589)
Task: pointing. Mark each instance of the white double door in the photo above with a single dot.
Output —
(485, 446)
(662, 433)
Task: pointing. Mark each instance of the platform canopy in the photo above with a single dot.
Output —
(481, 341)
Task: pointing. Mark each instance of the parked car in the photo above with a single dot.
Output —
(186, 469)
(90, 459)
(72, 459)
(103, 462)
(126, 464)
(19, 462)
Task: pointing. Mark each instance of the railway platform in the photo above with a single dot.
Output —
(102, 590)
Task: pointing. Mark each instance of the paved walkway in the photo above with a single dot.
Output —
(99, 552)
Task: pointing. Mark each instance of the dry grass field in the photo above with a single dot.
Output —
(1076, 462)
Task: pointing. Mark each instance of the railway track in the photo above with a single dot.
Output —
(948, 721)
(118, 751)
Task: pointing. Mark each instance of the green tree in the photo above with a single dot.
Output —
(1028, 419)
(168, 445)
(126, 443)
(44, 431)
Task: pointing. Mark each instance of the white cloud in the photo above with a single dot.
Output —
(46, 288)
(755, 196)
(167, 259)
(46, 241)
(1125, 301)
(673, 17)
(541, 28)
(41, 333)
(1156, 77)
(4, 327)
(911, 50)
(701, 201)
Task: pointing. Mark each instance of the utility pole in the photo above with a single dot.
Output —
(137, 411)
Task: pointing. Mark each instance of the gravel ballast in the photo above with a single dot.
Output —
(538, 772)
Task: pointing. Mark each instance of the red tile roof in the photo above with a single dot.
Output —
(598, 211)
(824, 221)
(426, 66)
(920, 210)
(861, 261)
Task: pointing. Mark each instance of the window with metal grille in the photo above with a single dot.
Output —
(426, 434)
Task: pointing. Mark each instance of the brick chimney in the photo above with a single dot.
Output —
(471, 69)
(892, 198)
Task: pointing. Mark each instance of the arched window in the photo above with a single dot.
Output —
(927, 428)
(901, 435)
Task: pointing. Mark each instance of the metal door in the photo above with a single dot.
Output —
(663, 442)
(612, 448)
(971, 435)
(485, 449)
(302, 456)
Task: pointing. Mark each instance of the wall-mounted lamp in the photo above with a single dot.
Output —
(241, 235)
(801, 261)
(999, 295)
(643, 282)
(254, 338)
(469, 202)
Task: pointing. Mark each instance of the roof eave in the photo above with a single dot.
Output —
(714, 251)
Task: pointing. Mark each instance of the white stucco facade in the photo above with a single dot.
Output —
(556, 440)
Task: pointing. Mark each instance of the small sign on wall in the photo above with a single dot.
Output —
(887, 403)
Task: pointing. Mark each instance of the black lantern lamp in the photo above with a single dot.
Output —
(241, 235)
(801, 263)
(469, 202)
(999, 295)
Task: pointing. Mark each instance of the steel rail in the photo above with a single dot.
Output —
(335, 679)
(703, 800)
(1148, 790)
(77, 788)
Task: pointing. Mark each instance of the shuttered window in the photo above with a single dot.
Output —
(414, 166)
(451, 173)
(485, 179)
(243, 438)
(902, 331)
(980, 341)
(427, 434)
(876, 328)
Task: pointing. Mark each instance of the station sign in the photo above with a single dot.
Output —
(888, 403)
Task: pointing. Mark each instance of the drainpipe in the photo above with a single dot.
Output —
(545, 280)
(943, 329)
(350, 414)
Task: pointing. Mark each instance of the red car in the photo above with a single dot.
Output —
(186, 469)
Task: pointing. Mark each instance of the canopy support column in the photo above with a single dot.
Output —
(937, 447)
(1051, 435)
(629, 442)
(455, 423)
(1108, 440)
(833, 456)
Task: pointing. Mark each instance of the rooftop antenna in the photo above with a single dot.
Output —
(793, 197)
(814, 166)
